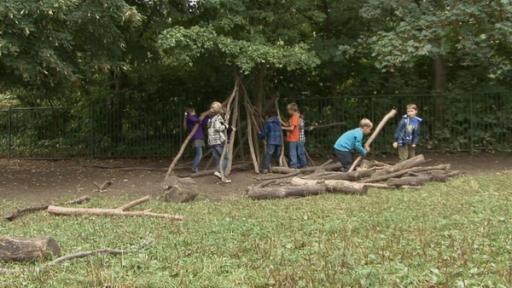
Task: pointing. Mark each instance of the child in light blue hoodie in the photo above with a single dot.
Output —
(351, 141)
(407, 134)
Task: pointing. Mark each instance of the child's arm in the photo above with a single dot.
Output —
(359, 146)
(219, 125)
(399, 130)
(416, 136)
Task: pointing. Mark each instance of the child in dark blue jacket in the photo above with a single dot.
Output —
(273, 134)
(407, 134)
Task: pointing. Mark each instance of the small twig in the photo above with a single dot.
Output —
(84, 254)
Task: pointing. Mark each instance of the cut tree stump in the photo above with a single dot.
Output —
(27, 249)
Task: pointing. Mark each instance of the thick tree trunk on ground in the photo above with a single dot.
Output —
(333, 186)
(374, 135)
(24, 249)
(413, 162)
(409, 181)
(286, 191)
(400, 173)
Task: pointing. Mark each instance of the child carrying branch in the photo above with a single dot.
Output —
(407, 134)
(191, 119)
(217, 130)
(351, 141)
(273, 134)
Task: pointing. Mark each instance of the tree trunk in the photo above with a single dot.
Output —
(406, 171)
(333, 186)
(24, 249)
(285, 191)
(409, 163)
(409, 181)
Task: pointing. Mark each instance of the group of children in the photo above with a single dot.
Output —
(406, 138)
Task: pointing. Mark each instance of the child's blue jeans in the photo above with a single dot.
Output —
(269, 154)
(198, 148)
(217, 153)
(301, 155)
(293, 149)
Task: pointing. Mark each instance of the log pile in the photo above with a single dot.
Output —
(324, 178)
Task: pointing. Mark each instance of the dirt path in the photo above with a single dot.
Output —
(42, 181)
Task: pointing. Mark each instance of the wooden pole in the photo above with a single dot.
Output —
(227, 118)
(282, 157)
(249, 136)
(374, 135)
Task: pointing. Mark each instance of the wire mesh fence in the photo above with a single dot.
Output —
(473, 123)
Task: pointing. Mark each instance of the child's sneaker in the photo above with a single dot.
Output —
(264, 171)
(225, 180)
(217, 174)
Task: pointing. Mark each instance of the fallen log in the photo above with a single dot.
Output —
(409, 181)
(285, 191)
(351, 176)
(442, 176)
(24, 211)
(121, 211)
(374, 135)
(409, 163)
(404, 172)
(283, 176)
(333, 186)
(368, 164)
(27, 249)
(284, 170)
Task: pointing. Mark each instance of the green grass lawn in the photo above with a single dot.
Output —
(457, 234)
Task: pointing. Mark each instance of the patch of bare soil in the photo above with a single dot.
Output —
(37, 181)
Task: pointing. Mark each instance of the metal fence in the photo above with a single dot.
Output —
(473, 123)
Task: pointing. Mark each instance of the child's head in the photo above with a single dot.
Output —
(366, 125)
(271, 113)
(292, 108)
(216, 108)
(190, 110)
(412, 110)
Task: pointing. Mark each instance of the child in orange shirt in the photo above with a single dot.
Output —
(293, 137)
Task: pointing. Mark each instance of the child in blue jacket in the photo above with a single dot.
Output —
(273, 134)
(352, 141)
(407, 134)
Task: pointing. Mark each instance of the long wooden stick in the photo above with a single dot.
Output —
(249, 136)
(232, 97)
(56, 210)
(406, 171)
(282, 158)
(85, 254)
(21, 212)
(184, 144)
(374, 135)
(232, 137)
(134, 203)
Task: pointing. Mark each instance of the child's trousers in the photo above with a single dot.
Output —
(406, 152)
(272, 150)
(346, 159)
(217, 154)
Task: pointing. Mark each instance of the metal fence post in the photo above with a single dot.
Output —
(9, 142)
